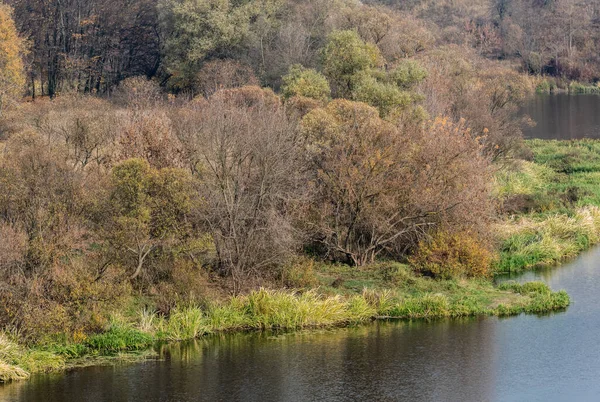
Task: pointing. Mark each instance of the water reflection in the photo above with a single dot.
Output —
(525, 358)
(450, 360)
(564, 116)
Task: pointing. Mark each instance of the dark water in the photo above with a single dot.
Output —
(524, 358)
(564, 116)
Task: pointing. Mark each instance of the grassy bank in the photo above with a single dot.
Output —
(557, 85)
(551, 204)
(551, 211)
(346, 296)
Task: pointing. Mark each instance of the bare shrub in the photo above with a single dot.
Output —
(462, 85)
(148, 134)
(138, 92)
(223, 74)
(246, 151)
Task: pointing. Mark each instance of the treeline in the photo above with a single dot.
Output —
(100, 198)
(558, 38)
(91, 46)
(376, 143)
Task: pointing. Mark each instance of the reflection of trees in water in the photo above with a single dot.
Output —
(449, 360)
(563, 116)
(442, 360)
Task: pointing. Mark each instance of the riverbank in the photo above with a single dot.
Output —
(549, 85)
(381, 291)
(550, 212)
(551, 204)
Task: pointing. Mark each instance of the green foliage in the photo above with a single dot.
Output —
(198, 28)
(344, 56)
(183, 323)
(579, 88)
(407, 74)
(147, 208)
(305, 82)
(386, 97)
(119, 338)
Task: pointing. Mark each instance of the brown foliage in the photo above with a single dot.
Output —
(148, 134)
(378, 189)
(453, 255)
(464, 86)
(246, 156)
(223, 74)
(68, 300)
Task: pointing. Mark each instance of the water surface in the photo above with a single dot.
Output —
(526, 358)
(564, 116)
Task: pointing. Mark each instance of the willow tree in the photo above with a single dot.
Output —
(12, 76)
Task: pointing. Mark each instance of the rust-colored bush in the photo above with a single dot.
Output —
(452, 255)
(248, 97)
(148, 134)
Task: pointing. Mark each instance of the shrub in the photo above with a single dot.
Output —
(299, 273)
(449, 255)
(223, 74)
(69, 300)
(138, 92)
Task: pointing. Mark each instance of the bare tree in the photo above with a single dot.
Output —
(246, 151)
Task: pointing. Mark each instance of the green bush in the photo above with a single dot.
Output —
(119, 338)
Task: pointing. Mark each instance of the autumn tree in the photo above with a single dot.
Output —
(12, 74)
(247, 153)
(360, 181)
(305, 82)
(147, 209)
(376, 187)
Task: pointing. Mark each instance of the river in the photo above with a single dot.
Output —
(553, 357)
(564, 116)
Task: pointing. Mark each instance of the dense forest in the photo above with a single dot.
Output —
(176, 151)
(92, 46)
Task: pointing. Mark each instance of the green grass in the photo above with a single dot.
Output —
(381, 291)
(579, 88)
(561, 188)
(118, 338)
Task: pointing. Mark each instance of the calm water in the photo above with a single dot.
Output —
(564, 116)
(524, 358)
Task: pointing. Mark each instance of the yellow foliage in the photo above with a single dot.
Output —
(12, 76)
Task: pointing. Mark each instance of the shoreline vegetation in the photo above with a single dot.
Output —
(550, 204)
(277, 164)
(132, 338)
